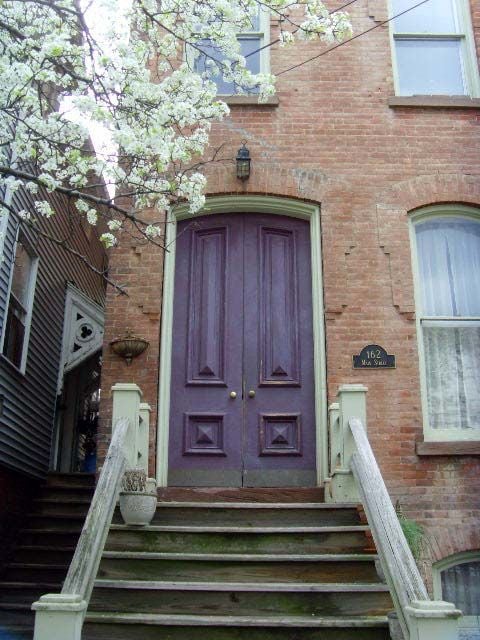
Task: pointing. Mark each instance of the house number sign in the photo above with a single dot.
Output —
(373, 356)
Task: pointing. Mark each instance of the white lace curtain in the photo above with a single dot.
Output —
(449, 266)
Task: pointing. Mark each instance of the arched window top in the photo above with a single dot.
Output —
(448, 249)
(457, 580)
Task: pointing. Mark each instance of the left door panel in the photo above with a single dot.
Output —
(205, 421)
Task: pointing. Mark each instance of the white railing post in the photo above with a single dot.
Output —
(126, 404)
(351, 403)
(433, 619)
(144, 435)
(59, 616)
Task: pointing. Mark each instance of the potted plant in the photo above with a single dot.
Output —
(138, 498)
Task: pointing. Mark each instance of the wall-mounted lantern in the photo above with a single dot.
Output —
(129, 346)
(243, 162)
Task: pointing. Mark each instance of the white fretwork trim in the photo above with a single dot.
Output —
(82, 331)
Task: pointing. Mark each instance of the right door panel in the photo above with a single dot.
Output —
(279, 448)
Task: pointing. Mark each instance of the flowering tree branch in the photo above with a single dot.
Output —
(155, 103)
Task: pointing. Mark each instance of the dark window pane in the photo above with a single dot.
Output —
(247, 45)
(14, 333)
(461, 585)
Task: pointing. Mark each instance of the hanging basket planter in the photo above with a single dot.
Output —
(129, 346)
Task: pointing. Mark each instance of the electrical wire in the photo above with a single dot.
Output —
(270, 44)
(358, 35)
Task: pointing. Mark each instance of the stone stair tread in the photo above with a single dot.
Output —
(15, 606)
(44, 547)
(20, 584)
(58, 516)
(236, 529)
(239, 621)
(163, 585)
(244, 557)
(67, 502)
(37, 565)
(50, 530)
(258, 505)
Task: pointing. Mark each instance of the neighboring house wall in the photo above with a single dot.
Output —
(334, 140)
(29, 399)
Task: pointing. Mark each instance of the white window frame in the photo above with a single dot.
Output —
(447, 563)
(464, 33)
(435, 213)
(30, 297)
(263, 34)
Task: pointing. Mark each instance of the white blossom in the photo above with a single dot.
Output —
(133, 75)
(108, 240)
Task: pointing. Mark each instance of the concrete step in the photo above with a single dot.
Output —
(68, 506)
(151, 567)
(228, 598)
(124, 538)
(253, 514)
(110, 626)
(46, 553)
(58, 521)
(245, 494)
(65, 493)
(50, 535)
(55, 479)
(35, 572)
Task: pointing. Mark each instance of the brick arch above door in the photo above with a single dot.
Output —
(245, 204)
(272, 179)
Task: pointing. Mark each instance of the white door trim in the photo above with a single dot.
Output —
(245, 204)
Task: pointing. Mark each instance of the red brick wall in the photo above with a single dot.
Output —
(334, 140)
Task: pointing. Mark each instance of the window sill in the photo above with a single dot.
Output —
(13, 368)
(457, 448)
(272, 101)
(446, 102)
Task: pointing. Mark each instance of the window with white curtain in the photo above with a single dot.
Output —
(457, 579)
(433, 48)
(448, 322)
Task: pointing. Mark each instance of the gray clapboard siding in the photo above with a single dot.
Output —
(29, 400)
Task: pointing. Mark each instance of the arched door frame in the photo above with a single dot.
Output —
(245, 204)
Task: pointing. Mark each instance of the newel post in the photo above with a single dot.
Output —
(144, 435)
(59, 616)
(126, 404)
(433, 619)
(352, 403)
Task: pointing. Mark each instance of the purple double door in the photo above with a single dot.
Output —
(242, 394)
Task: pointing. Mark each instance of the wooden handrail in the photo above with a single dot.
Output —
(84, 566)
(401, 572)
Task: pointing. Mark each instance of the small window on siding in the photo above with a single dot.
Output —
(433, 46)
(17, 326)
(448, 317)
(457, 580)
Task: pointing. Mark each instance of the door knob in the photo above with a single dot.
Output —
(233, 395)
(251, 393)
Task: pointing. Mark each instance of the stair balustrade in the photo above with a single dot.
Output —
(356, 476)
(60, 616)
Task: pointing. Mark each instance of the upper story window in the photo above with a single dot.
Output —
(448, 321)
(251, 43)
(457, 579)
(17, 326)
(433, 48)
